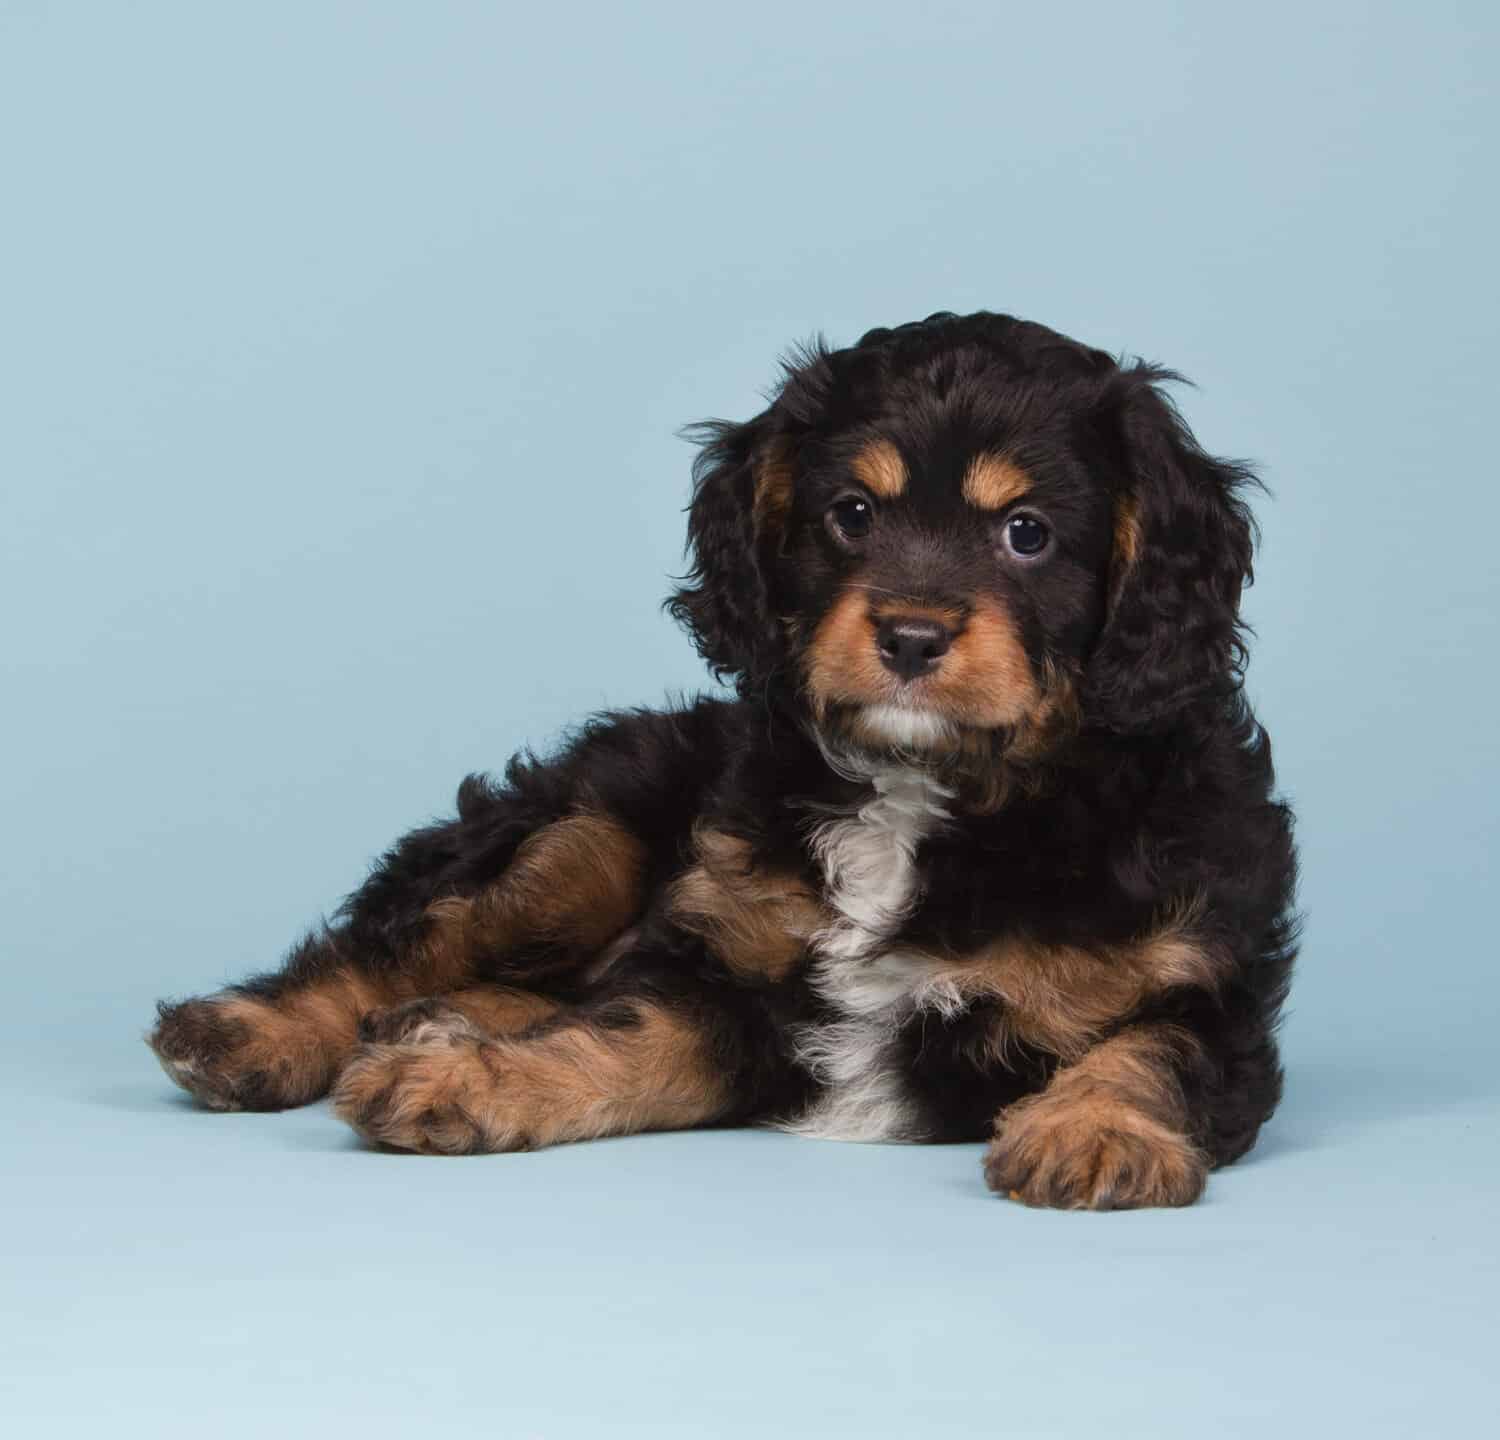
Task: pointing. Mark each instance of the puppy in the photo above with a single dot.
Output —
(986, 847)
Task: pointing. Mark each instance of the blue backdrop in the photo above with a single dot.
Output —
(341, 353)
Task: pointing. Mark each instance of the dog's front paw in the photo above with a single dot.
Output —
(418, 1022)
(1105, 1156)
(436, 1099)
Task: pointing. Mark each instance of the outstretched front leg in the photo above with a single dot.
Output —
(1165, 1068)
(1111, 1131)
(618, 1067)
(1142, 1116)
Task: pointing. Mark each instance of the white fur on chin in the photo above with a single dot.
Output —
(910, 728)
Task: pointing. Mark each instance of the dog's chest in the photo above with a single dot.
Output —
(871, 880)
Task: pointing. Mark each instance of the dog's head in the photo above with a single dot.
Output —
(968, 536)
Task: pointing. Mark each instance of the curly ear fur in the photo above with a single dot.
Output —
(741, 491)
(1184, 540)
(742, 495)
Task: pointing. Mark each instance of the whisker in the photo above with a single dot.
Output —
(879, 590)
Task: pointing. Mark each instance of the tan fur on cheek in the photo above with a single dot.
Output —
(842, 660)
(575, 884)
(758, 922)
(572, 1082)
(1109, 1132)
(985, 679)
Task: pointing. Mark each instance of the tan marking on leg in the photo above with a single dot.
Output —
(1058, 998)
(571, 1082)
(476, 1012)
(1175, 955)
(1061, 998)
(992, 482)
(575, 884)
(240, 1052)
(757, 921)
(501, 1011)
(1109, 1132)
(880, 469)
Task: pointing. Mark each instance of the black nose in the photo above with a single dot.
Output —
(910, 646)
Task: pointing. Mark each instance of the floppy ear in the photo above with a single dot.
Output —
(742, 491)
(1182, 551)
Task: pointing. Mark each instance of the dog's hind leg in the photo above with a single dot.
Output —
(475, 1011)
(567, 889)
(534, 882)
(638, 1063)
(277, 1040)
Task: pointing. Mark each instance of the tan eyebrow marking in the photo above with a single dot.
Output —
(992, 482)
(880, 469)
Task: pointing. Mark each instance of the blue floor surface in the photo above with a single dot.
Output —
(174, 1272)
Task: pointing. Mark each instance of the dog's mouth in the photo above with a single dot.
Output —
(915, 728)
(906, 726)
(917, 678)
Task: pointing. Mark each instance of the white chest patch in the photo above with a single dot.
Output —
(869, 867)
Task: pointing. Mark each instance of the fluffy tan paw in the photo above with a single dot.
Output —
(1105, 1156)
(233, 1053)
(438, 1098)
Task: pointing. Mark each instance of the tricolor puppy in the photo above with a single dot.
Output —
(985, 849)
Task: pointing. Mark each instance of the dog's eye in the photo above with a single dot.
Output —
(1026, 536)
(851, 518)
